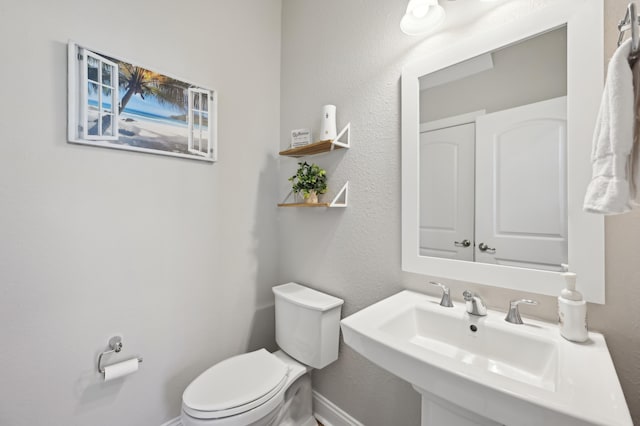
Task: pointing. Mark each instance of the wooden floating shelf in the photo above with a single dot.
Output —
(340, 200)
(305, 205)
(311, 149)
(322, 146)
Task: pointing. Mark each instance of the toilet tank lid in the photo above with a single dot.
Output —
(307, 297)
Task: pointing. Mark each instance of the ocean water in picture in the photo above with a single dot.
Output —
(141, 115)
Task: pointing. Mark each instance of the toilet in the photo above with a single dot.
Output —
(267, 389)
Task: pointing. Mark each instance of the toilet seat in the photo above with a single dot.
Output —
(235, 385)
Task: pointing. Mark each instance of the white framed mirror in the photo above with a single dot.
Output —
(493, 177)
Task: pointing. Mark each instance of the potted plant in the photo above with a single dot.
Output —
(310, 180)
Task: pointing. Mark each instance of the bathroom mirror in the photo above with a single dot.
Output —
(492, 169)
(496, 140)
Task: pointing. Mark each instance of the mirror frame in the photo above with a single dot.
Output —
(585, 74)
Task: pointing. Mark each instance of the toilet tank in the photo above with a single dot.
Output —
(307, 324)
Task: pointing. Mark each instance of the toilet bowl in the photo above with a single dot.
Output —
(261, 388)
(247, 389)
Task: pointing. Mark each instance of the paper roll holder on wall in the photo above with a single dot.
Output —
(115, 343)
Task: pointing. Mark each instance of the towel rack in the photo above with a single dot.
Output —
(631, 21)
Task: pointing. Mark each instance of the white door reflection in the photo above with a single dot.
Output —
(493, 181)
(447, 192)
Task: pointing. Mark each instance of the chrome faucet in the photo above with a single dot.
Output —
(446, 295)
(475, 304)
(513, 316)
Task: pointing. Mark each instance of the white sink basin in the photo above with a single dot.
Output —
(492, 348)
(506, 373)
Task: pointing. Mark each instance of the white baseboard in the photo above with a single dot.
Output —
(329, 414)
(173, 422)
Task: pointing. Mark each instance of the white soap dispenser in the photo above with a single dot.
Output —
(572, 311)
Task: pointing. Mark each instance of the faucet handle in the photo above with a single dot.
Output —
(513, 316)
(475, 304)
(446, 295)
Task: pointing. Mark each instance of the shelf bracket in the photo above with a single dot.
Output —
(345, 132)
(341, 198)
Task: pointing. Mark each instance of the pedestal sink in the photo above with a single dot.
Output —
(484, 371)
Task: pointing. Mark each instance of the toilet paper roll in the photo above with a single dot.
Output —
(120, 369)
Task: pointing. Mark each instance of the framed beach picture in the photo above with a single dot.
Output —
(117, 104)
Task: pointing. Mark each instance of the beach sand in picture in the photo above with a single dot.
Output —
(154, 135)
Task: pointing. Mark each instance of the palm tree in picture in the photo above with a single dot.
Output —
(134, 80)
(139, 81)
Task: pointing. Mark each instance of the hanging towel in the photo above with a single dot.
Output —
(634, 161)
(609, 191)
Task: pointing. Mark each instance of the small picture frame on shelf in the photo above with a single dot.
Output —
(300, 137)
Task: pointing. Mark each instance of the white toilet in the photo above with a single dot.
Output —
(261, 388)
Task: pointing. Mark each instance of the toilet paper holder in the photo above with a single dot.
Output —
(115, 343)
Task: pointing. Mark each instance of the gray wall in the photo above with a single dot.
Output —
(541, 62)
(177, 255)
(355, 253)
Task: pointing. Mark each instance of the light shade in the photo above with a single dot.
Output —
(421, 17)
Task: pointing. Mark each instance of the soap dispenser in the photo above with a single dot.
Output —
(572, 311)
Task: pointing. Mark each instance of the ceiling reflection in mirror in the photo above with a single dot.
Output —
(492, 157)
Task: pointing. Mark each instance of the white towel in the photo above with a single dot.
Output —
(610, 189)
(634, 164)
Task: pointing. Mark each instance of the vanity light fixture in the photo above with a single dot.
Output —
(422, 16)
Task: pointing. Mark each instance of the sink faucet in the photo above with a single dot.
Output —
(513, 316)
(446, 295)
(475, 304)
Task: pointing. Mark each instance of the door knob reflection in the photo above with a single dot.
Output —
(485, 248)
(464, 243)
